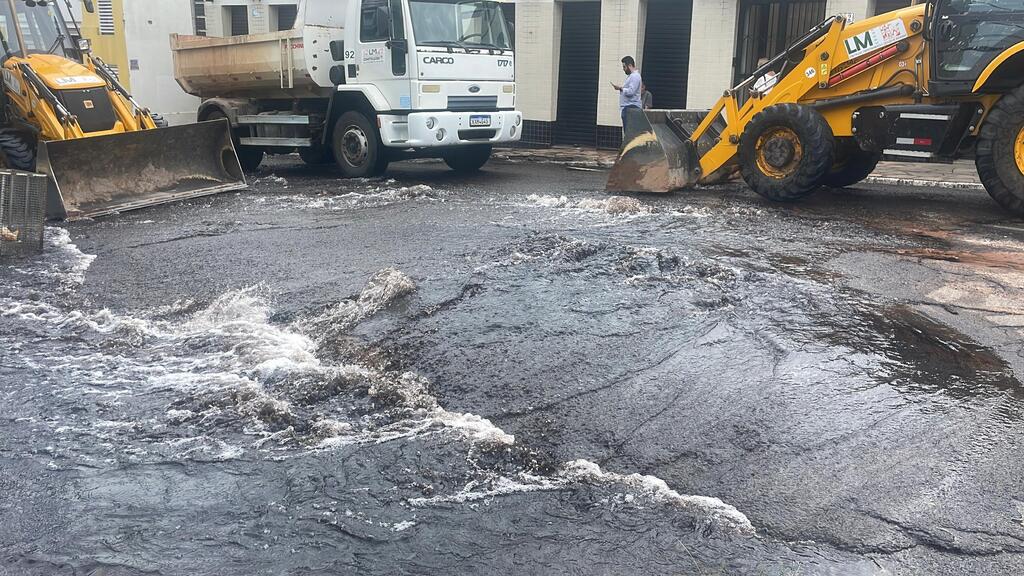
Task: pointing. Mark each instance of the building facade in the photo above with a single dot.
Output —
(568, 54)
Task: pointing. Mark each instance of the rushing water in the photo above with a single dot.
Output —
(216, 435)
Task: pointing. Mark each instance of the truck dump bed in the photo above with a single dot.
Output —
(287, 64)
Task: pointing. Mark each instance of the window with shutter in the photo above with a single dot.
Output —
(239, 17)
(105, 11)
(286, 14)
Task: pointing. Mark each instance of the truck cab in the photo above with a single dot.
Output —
(364, 83)
(445, 68)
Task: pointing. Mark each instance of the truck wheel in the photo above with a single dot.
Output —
(357, 147)
(999, 156)
(469, 158)
(851, 164)
(316, 155)
(785, 152)
(18, 151)
(250, 158)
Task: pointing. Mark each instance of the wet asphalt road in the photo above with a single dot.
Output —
(513, 373)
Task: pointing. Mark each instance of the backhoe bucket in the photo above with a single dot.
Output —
(105, 174)
(657, 154)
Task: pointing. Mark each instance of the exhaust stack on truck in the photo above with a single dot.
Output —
(363, 83)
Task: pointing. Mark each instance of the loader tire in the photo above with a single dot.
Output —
(786, 152)
(18, 151)
(999, 155)
(357, 146)
(851, 164)
(248, 157)
(468, 159)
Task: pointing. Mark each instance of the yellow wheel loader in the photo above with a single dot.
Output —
(64, 113)
(931, 82)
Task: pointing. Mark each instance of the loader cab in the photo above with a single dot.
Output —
(35, 27)
(967, 35)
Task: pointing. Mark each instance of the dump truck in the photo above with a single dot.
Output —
(363, 83)
(932, 82)
(65, 114)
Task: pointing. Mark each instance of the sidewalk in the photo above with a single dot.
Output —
(959, 174)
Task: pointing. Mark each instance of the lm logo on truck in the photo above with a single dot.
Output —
(877, 37)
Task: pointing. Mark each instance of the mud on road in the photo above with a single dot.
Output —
(515, 373)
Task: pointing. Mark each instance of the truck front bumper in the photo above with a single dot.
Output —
(443, 129)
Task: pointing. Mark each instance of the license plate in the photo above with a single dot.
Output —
(479, 120)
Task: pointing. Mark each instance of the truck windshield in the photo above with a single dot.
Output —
(42, 27)
(467, 24)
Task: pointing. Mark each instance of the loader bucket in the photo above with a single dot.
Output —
(657, 154)
(105, 174)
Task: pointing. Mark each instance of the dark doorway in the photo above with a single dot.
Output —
(667, 51)
(578, 74)
(768, 27)
(883, 6)
(239, 20)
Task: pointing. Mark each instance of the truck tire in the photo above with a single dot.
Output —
(851, 164)
(19, 152)
(469, 158)
(250, 158)
(316, 155)
(786, 151)
(999, 156)
(357, 146)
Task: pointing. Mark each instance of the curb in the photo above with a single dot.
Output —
(923, 183)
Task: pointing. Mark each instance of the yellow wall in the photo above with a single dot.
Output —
(112, 48)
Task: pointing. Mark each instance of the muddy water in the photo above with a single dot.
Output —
(603, 390)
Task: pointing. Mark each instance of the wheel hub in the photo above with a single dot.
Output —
(779, 152)
(1018, 149)
(355, 146)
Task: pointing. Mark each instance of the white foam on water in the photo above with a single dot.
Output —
(710, 512)
(367, 197)
(717, 513)
(403, 526)
(489, 488)
(616, 205)
(381, 290)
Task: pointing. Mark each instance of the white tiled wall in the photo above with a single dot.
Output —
(712, 46)
(622, 34)
(538, 38)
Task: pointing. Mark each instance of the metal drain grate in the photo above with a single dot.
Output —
(22, 212)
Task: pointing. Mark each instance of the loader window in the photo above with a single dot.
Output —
(42, 27)
(971, 33)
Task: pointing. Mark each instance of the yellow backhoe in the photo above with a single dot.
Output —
(931, 82)
(64, 113)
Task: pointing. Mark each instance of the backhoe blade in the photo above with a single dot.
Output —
(106, 174)
(656, 155)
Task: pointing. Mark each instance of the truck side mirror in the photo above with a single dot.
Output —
(89, 7)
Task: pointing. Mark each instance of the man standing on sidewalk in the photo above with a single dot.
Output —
(629, 92)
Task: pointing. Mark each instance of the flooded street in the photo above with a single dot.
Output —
(515, 373)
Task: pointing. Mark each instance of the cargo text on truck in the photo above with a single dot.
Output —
(363, 83)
